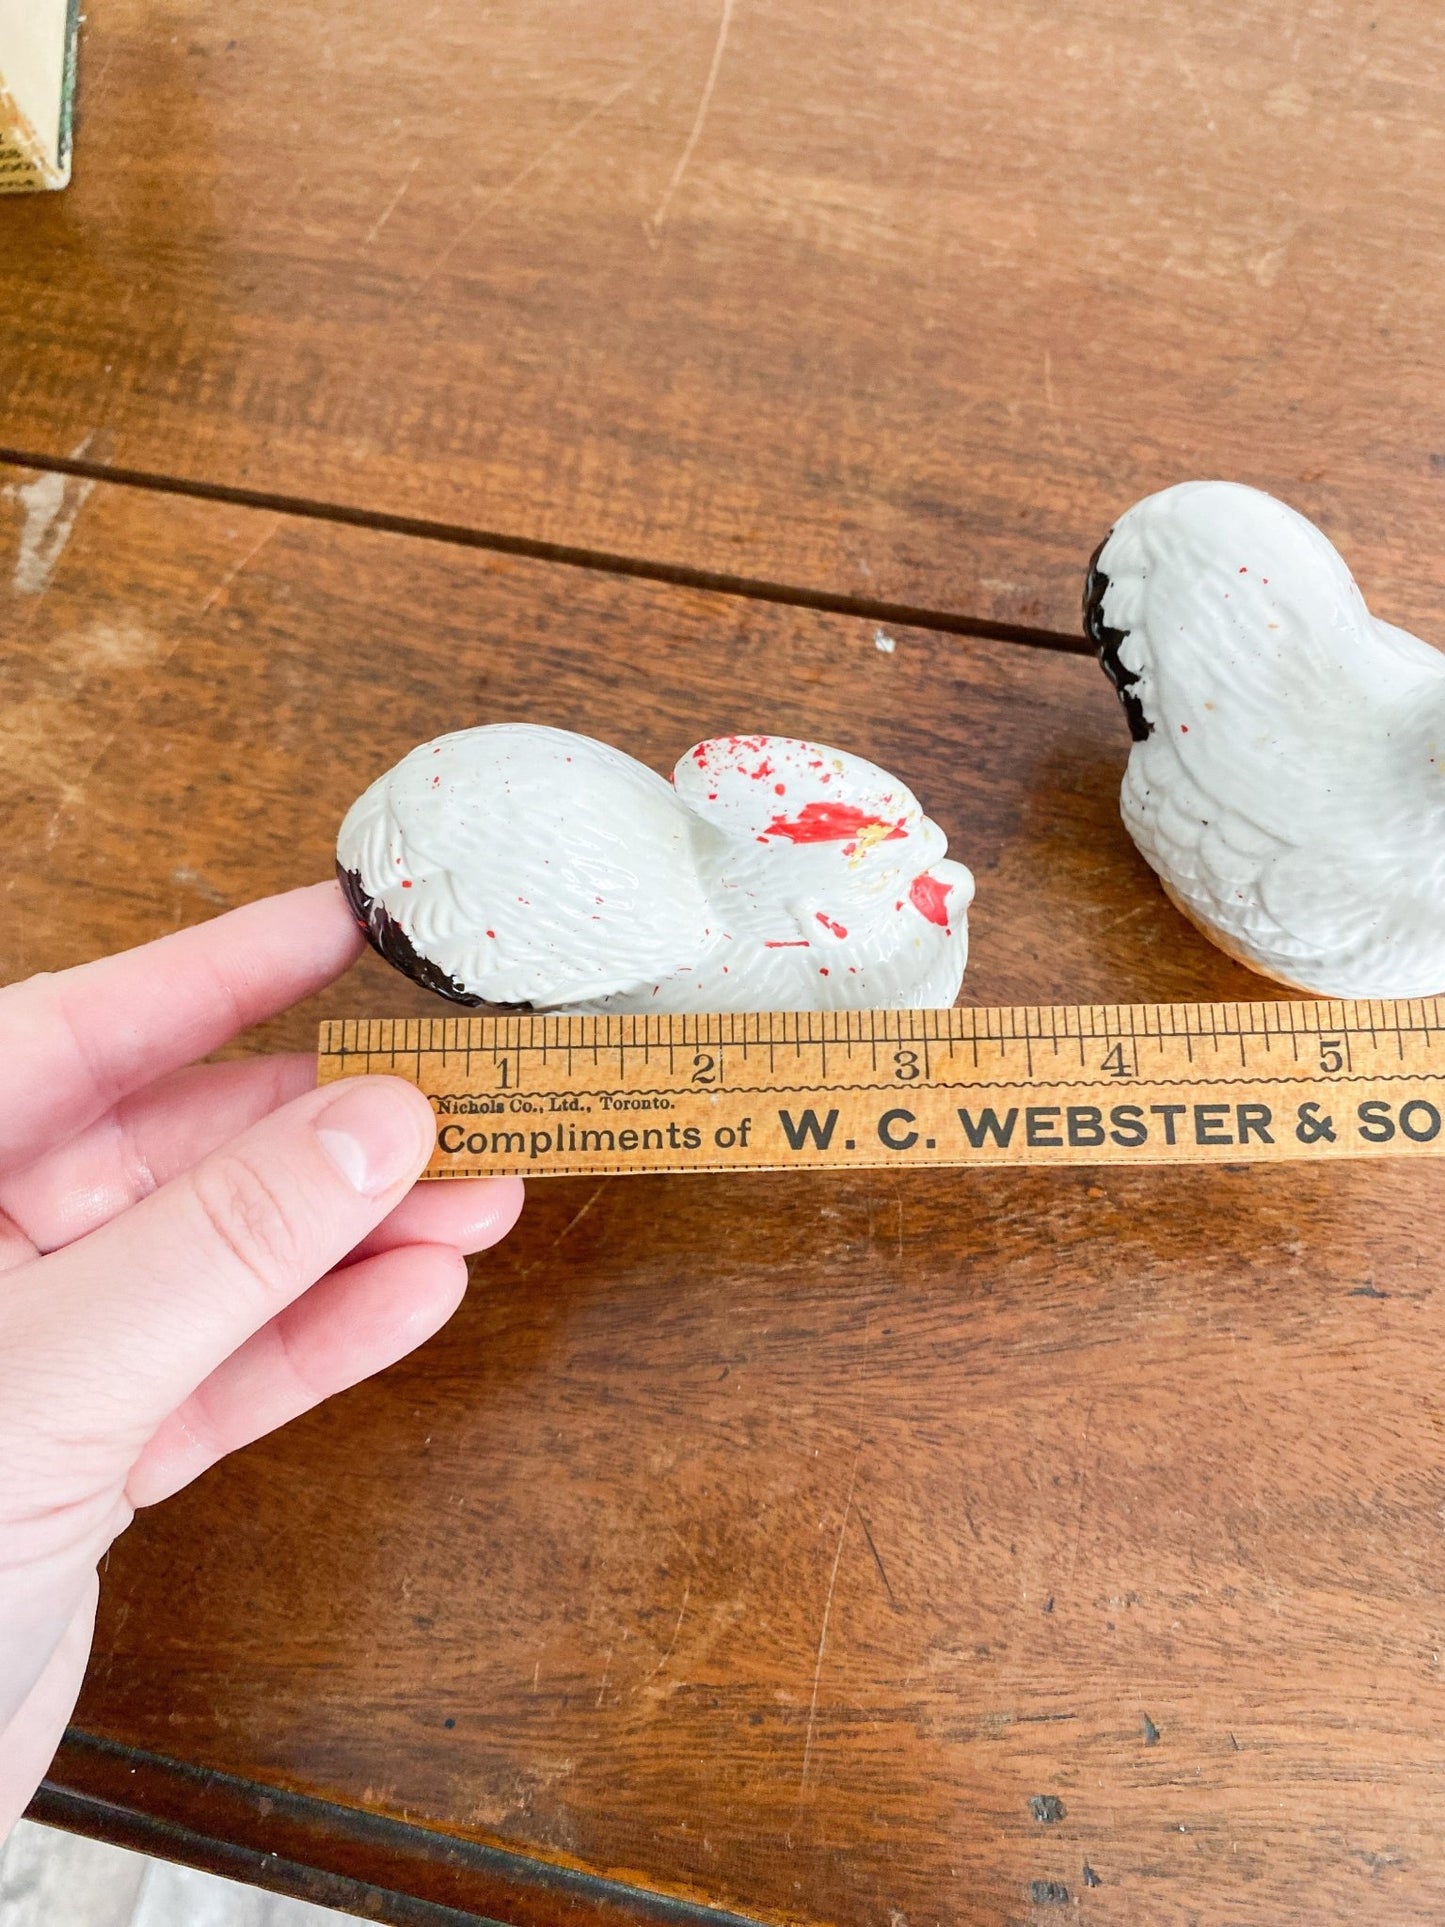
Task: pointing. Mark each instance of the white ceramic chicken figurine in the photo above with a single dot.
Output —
(528, 867)
(1286, 779)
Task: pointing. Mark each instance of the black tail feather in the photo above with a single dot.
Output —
(1108, 642)
(389, 940)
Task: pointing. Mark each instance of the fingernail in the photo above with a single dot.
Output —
(370, 1133)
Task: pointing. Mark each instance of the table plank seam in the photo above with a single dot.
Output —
(138, 1832)
(121, 1793)
(641, 568)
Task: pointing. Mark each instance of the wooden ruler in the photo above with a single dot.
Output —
(1062, 1084)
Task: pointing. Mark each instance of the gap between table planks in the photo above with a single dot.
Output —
(900, 302)
(828, 1549)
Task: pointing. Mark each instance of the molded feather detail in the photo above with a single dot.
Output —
(516, 865)
(1284, 779)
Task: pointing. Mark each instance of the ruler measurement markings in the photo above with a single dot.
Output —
(1274, 1052)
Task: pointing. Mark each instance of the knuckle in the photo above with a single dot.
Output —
(250, 1222)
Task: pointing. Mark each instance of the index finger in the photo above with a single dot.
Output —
(72, 1045)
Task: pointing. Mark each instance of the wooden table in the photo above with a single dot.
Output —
(882, 1550)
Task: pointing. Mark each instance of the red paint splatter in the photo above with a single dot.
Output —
(828, 924)
(929, 898)
(822, 970)
(832, 823)
(406, 883)
(793, 943)
(1184, 729)
(780, 789)
(491, 933)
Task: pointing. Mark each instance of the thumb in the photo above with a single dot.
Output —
(121, 1326)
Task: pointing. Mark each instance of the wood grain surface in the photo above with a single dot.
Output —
(875, 1549)
(898, 300)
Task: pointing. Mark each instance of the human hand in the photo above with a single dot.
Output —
(188, 1257)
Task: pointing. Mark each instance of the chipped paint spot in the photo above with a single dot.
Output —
(49, 505)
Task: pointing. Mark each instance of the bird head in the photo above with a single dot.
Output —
(786, 816)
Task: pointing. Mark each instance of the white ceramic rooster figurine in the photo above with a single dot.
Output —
(522, 866)
(1286, 779)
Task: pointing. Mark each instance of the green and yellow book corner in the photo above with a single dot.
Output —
(37, 93)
